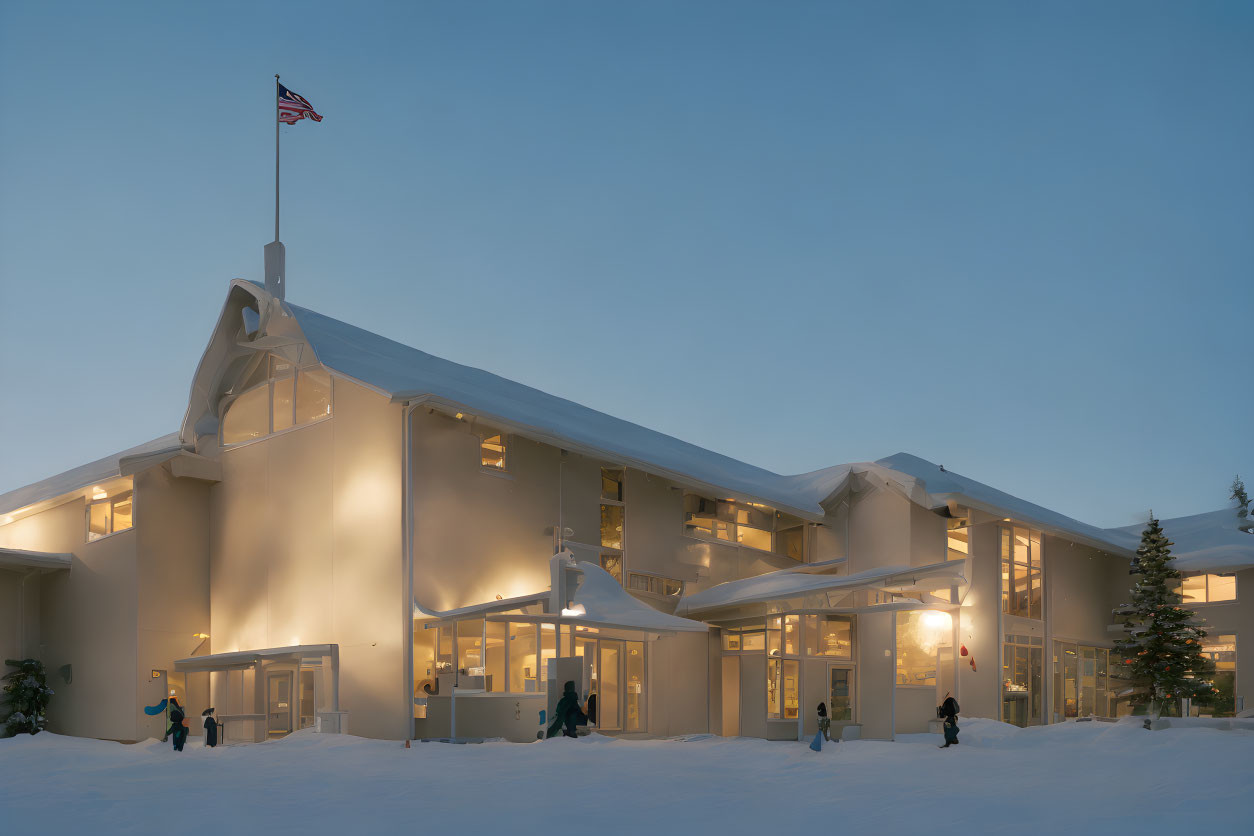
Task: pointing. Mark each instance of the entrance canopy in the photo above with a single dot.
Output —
(248, 658)
(597, 601)
(21, 559)
(787, 584)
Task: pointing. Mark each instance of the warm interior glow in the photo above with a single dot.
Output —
(99, 493)
(571, 612)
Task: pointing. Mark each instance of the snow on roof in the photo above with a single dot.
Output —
(604, 603)
(785, 583)
(1209, 542)
(80, 477)
(936, 487)
(397, 369)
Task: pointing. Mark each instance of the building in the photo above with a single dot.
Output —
(351, 534)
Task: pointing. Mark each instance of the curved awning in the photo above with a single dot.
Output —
(598, 601)
(37, 561)
(786, 584)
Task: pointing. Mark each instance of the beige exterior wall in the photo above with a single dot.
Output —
(1082, 587)
(979, 689)
(19, 615)
(305, 548)
(172, 590)
(88, 621)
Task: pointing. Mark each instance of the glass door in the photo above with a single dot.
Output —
(609, 685)
(840, 694)
(278, 704)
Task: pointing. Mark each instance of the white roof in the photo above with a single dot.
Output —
(244, 658)
(606, 604)
(598, 602)
(80, 477)
(24, 559)
(1209, 542)
(786, 583)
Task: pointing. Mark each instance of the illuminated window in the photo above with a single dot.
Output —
(276, 397)
(959, 545)
(829, 635)
(109, 514)
(920, 637)
(747, 524)
(1208, 588)
(783, 689)
(613, 513)
(1021, 572)
(1222, 651)
(1087, 680)
(613, 563)
(1021, 678)
(492, 451)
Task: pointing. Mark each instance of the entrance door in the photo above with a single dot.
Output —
(609, 686)
(840, 706)
(278, 703)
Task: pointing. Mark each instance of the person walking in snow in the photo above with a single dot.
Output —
(825, 722)
(211, 728)
(949, 711)
(178, 725)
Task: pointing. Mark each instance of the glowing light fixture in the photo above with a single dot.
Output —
(937, 620)
(200, 635)
(572, 612)
(99, 493)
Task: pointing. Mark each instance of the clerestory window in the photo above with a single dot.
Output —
(276, 396)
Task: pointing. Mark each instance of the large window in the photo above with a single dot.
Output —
(278, 397)
(1208, 589)
(920, 636)
(747, 524)
(613, 515)
(110, 511)
(1087, 681)
(1021, 686)
(1021, 573)
(783, 689)
(1222, 650)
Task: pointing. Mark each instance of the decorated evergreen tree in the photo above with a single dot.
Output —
(26, 695)
(1163, 649)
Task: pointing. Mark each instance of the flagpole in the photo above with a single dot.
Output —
(276, 156)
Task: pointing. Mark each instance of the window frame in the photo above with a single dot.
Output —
(484, 436)
(1008, 567)
(734, 527)
(603, 501)
(110, 501)
(296, 374)
(1236, 591)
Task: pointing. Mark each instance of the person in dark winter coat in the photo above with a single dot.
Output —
(211, 727)
(825, 722)
(567, 713)
(178, 725)
(949, 710)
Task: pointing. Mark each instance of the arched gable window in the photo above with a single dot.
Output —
(281, 397)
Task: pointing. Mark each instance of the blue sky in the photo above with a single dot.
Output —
(1012, 238)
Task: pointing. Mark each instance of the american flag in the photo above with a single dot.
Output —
(293, 107)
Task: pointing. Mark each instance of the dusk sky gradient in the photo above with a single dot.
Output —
(1015, 239)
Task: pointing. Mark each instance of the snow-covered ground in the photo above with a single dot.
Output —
(1073, 778)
